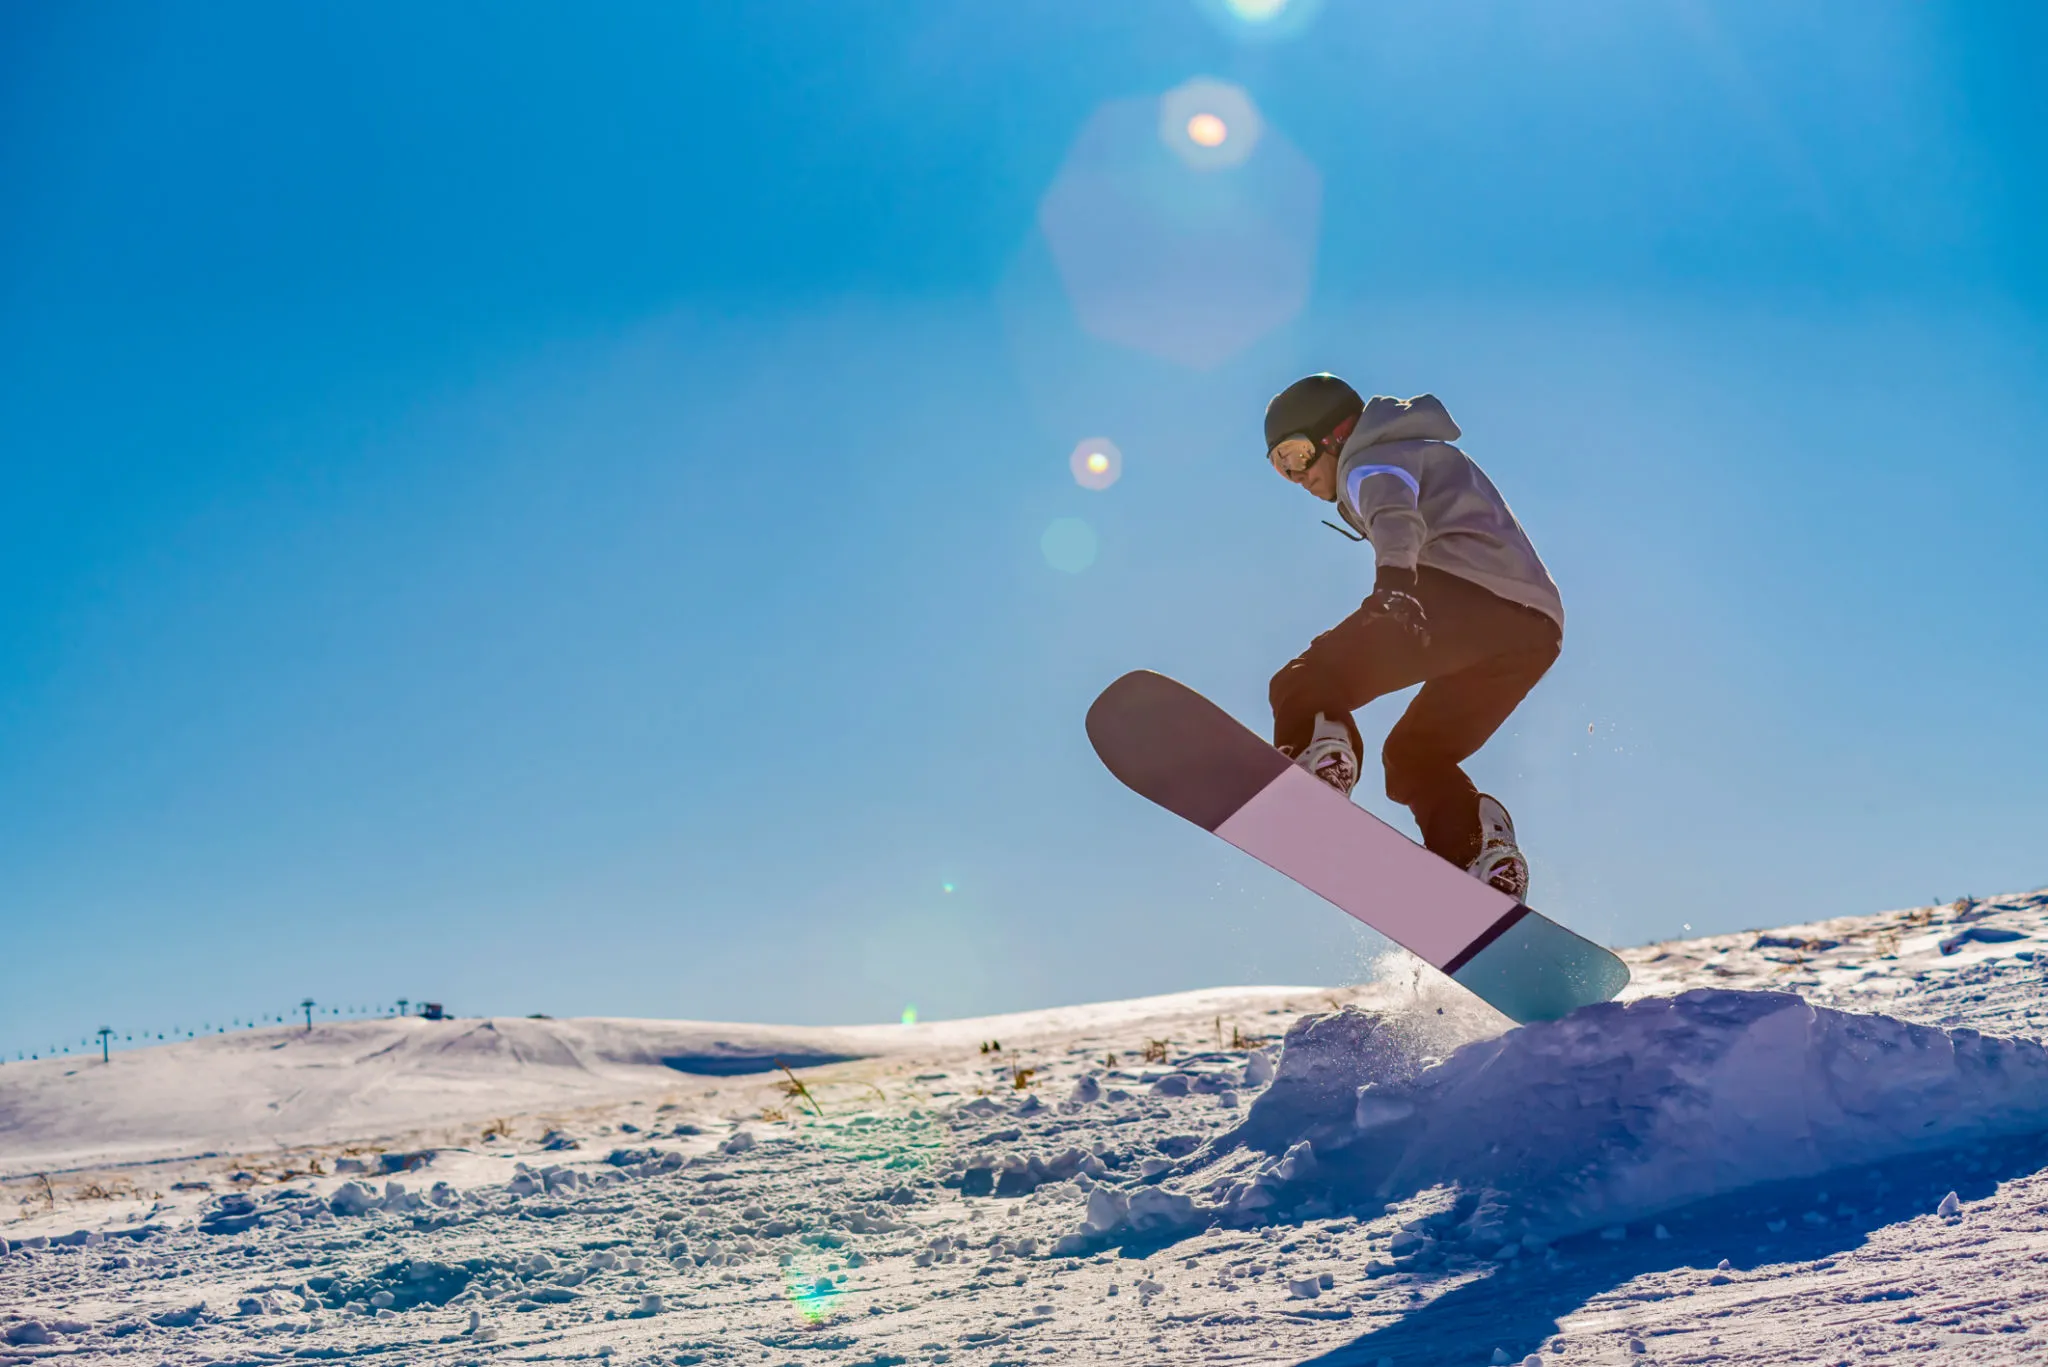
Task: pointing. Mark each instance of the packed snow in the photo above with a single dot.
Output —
(1818, 1143)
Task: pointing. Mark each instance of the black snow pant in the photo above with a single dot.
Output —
(1484, 655)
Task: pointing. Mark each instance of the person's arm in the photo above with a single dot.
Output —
(1385, 502)
(1384, 499)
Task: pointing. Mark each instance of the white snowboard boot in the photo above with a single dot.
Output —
(1500, 863)
(1329, 756)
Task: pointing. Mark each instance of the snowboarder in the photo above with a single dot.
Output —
(1460, 604)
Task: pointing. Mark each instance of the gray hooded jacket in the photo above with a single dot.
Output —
(1422, 501)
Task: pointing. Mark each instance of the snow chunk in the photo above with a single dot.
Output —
(354, 1198)
(1111, 1214)
(1298, 1162)
(1950, 1206)
(1013, 1174)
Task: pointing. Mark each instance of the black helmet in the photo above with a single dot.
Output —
(1312, 408)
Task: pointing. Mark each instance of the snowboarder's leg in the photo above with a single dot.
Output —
(1446, 724)
(1483, 655)
(1314, 695)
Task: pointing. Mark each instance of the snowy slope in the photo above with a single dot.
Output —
(288, 1087)
(1750, 1161)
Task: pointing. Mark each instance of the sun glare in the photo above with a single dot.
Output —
(1206, 130)
(1095, 463)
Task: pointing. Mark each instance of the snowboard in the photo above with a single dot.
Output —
(1170, 744)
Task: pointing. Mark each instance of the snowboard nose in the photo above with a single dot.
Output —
(1173, 746)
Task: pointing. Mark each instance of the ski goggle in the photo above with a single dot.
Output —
(1292, 456)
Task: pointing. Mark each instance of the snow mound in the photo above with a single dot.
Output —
(1616, 1113)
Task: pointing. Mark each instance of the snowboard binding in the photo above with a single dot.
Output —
(1500, 863)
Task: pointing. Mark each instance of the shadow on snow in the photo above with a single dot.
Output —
(1518, 1306)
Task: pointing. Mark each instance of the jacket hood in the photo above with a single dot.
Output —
(1420, 418)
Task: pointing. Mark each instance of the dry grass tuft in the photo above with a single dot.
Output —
(116, 1190)
(795, 1088)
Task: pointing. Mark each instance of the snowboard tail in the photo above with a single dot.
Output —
(1170, 744)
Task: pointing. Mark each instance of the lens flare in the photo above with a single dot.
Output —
(1261, 21)
(811, 1290)
(1068, 545)
(910, 1014)
(1211, 125)
(1185, 252)
(945, 887)
(1096, 463)
(1208, 130)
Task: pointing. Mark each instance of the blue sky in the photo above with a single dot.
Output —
(546, 515)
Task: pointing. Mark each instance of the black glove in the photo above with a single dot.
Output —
(1393, 600)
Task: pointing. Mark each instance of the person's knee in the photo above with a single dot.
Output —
(1299, 693)
(1302, 688)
